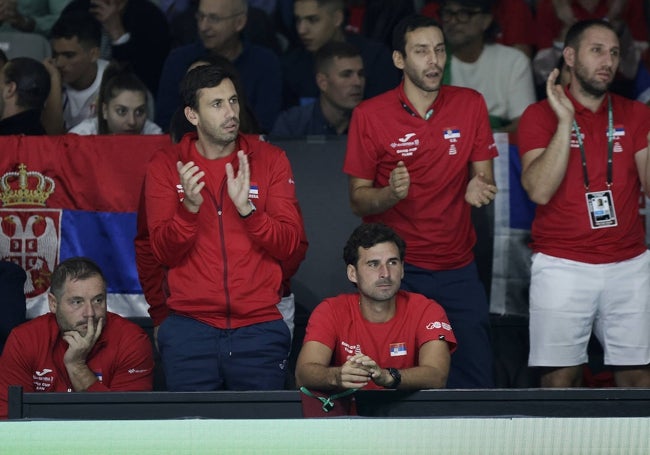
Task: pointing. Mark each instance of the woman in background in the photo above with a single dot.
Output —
(122, 106)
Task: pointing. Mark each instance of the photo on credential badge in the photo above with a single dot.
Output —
(601, 209)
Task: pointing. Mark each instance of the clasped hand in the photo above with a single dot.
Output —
(358, 371)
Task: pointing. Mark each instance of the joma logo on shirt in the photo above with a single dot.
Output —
(41, 381)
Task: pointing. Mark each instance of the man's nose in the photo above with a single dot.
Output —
(202, 23)
(89, 310)
(301, 27)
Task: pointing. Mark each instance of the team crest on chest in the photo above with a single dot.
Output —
(618, 133)
(451, 134)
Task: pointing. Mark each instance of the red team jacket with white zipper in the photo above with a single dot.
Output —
(224, 270)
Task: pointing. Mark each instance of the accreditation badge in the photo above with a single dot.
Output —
(600, 205)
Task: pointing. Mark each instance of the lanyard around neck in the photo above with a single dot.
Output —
(610, 146)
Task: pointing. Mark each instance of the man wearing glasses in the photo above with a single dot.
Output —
(502, 74)
(220, 23)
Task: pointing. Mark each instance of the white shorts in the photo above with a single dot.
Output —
(568, 299)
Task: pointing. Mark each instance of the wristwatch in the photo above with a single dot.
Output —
(397, 378)
(253, 208)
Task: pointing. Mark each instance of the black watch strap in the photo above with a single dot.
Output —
(397, 378)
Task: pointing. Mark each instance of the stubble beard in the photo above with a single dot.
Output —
(419, 82)
(220, 139)
(589, 86)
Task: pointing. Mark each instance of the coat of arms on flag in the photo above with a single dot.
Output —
(29, 232)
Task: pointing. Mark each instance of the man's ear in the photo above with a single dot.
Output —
(398, 60)
(321, 81)
(9, 90)
(241, 22)
(338, 18)
(352, 273)
(52, 302)
(569, 55)
(94, 52)
(190, 115)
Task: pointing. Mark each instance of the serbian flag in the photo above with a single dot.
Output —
(70, 195)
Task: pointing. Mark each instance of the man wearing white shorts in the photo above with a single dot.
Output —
(568, 298)
(584, 158)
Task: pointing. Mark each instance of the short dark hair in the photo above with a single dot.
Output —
(79, 24)
(75, 268)
(32, 81)
(116, 79)
(331, 50)
(179, 125)
(368, 235)
(574, 34)
(408, 24)
(3, 58)
(206, 76)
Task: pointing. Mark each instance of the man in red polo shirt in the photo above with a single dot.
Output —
(584, 159)
(418, 157)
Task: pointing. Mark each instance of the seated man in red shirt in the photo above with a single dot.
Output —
(78, 346)
(380, 337)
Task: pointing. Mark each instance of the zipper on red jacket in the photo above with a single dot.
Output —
(219, 207)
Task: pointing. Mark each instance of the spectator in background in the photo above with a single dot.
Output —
(341, 79)
(418, 158)
(223, 204)
(75, 70)
(122, 106)
(260, 28)
(24, 87)
(79, 346)
(378, 337)
(513, 23)
(134, 32)
(502, 74)
(584, 156)
(30, 16)
(319, 22)
(220, 23)
(554, 17)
